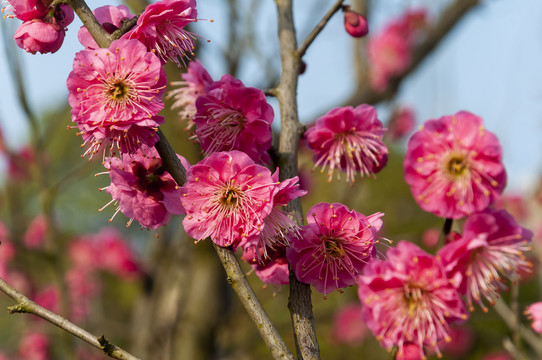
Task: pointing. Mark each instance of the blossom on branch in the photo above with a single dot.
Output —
(408, 299)
(115, 95)
(349, 139)
(110, 17)
(491, 249)
(335, 246)
(454, 167)
(228, 197)
(161, 27)
(355, 24)
(144, 190)
(231, 116)
(43, 29)
(195, 81)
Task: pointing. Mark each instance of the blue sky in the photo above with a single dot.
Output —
(489, 65)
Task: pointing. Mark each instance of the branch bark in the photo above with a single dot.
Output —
(449, 18)
(25, 305)
(291, 129)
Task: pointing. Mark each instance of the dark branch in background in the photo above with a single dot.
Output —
(291, 129)
(25, 305)
(449, 18)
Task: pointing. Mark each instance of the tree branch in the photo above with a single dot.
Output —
(448, 20)
(291, 129)
(25, 305)
(102, 38)
(319, 27)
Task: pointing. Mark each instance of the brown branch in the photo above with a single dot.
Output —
(25, 305)
(291, 129)
(449, 18)
(319, 27)
(236, 278)
(102, 38)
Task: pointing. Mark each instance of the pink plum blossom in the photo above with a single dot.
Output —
(34, 346)
(49, 298)
(161, 27)
(144, 190)
(231, 116)
(534, 312)
(110, 17)
(408, 299)
(390, 50)
(115, 95)
(43, 32)
(335, 246)
(348, 325)
(195, 81)
(410, 351)
(271, 268)
(401, 123)
(454, 166)
(115, 254)
(349, 139)
(355, 24)
(278, 227)
(490, 250)
(34, 236)
(27, 10)
(227, 197)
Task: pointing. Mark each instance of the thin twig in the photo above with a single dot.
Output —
(319, 27)
(25, 305)
(291, 129)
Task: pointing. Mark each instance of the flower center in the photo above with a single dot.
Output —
(457, 166)
(118, 91)
(334, 247)
(229, 198)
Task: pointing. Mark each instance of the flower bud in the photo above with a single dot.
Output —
(355, 24)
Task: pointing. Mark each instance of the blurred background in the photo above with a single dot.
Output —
(160, 296)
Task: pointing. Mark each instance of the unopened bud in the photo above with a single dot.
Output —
(355, 24)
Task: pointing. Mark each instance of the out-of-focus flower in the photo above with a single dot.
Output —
(349, 139)
(410, 351)
(82, 288)
(515, 204)
(430, 237)
(401, 123)
(334, 247)
(195, 81)
(390, 50)
(231, 116)
(491, 248)
(144, 190)
(161, 27)
(408, 299)
(348, 325)
(48, 298)
(115, 95)
(355, 24)
(462, 341)
(534, 312)
(34, 346)
(110, 17)
(454, 166)
(115, 255)
(34, 236)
